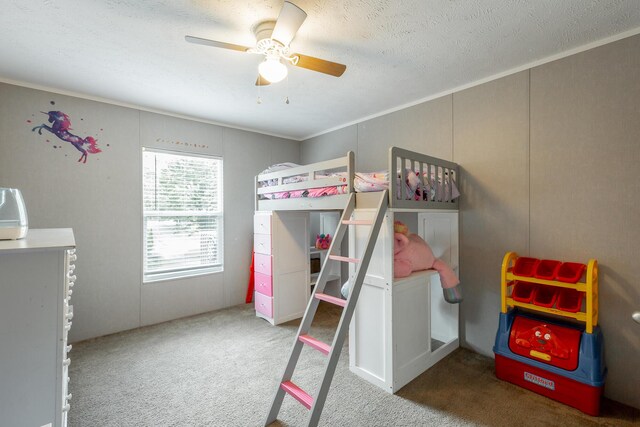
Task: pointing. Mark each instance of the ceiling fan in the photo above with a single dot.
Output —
(272, 41)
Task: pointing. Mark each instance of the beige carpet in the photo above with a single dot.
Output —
(222, 368)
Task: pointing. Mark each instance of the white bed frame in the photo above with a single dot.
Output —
(399, 160)
(401, 327)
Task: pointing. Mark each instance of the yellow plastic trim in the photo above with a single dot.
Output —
(507, 264)
(539, 355)
(581, 316)
(592, 295)
(580, 286)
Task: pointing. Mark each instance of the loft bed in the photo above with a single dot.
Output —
(401, 326)
(428, 183)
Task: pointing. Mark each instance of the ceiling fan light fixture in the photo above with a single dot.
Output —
(272, 70)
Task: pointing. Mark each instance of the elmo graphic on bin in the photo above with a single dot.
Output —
(541, 338)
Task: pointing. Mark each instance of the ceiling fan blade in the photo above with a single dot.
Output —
(289, 21)
(215, 43)
(320, 65)
(261, 81)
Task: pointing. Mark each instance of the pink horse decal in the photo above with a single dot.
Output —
(60, 126)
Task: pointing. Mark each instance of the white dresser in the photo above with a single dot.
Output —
(36, 280)
(281, 265)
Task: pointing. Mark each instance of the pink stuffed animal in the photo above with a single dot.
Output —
(412, 253)
(323, 241)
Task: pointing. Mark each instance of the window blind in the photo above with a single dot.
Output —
(182, 214)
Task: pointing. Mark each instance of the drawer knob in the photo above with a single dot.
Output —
(66, 408)
(73, 257)
(66, 362)
(71, 284)
(70, 292)
(67, 327)
(71, 277)
(69, 396)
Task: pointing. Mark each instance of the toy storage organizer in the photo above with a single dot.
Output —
(546, 354)
(402, 326)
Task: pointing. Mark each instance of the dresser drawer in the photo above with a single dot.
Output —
(262, 264)
(262, 224)
(263, 284)
(262, 244)
(263, 304)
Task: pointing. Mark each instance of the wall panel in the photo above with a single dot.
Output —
(491, 143)
(425, 128)
(585, 133)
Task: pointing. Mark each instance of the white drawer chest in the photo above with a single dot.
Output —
(281, 265)
(36, 280)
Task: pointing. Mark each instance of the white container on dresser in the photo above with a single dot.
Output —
(402, 326)
(281, 265)
(36, 280)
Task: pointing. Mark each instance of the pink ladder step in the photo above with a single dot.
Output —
(297, 393)
(357, 222)
(317, 344)
(343, 258)
(333, 300)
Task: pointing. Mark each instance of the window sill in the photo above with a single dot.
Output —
(165, 277)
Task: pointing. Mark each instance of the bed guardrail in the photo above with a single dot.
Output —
(342, 164)
(436, 178)
(435, 183)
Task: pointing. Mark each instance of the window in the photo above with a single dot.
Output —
(182, 211)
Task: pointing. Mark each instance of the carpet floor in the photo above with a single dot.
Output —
(222, 368)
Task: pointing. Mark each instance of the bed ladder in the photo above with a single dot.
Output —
(316, 404)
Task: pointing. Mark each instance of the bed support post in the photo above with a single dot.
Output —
(351, 167)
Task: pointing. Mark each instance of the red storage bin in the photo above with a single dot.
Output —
(581, 396)
(570, 272)
(523, 291)
(569, 300)
(547, 269)
(545, 296)
(525, 266)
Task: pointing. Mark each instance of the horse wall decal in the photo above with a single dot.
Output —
(60, 126)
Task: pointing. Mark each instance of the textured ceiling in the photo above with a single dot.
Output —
(396, 52)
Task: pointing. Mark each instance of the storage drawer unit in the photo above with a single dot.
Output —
(262, 223)
(38, 276)
(264, 304)
(263, 284)
(262, 244)
(262, 264)
(281, 265)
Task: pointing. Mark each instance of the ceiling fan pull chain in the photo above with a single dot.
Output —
(286, 98)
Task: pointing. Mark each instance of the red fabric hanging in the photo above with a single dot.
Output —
(251, 282)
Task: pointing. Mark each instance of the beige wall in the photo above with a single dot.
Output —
(585, 152)
(101, 201)
(548, 159)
